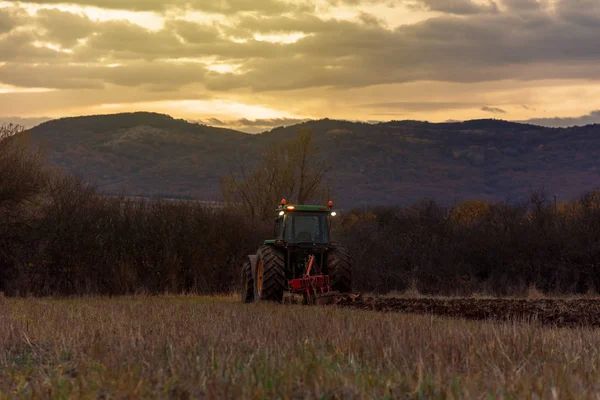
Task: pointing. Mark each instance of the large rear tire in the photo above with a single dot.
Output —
(339, 269)
(269, 276)
(247, 282)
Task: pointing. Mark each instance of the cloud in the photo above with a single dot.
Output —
(523, 5)
(483, 48)
(10, 18)
(18, 47)
(63, 76)
(266, 7)
(591, 118)
(121, 40)
(63, 27)
(255, 125)
(460, 7)
(194, 33)
(420, 106)
(494, 110)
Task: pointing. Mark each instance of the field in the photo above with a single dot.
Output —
(213, 347)
(567, 312)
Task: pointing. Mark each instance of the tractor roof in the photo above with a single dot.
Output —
(304, 207)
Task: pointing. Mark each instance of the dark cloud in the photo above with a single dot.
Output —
(523, 5)
(17, 47)
(494, 110)
(194, 33)
(370, 19)
(591, 118)
(10, 18)
(125, 40)
(266, 7)
(582, 13)
(247, 25)
(134, 74)
(459, 7)
(471, 49)
(64, 27)
(116, 41)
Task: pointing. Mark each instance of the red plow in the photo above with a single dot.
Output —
(314, 289)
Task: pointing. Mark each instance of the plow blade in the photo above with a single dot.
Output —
(314, 289)
(324, 299)
(319, 300)
(332, 297)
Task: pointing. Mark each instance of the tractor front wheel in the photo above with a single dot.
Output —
(269, 277)
(247, 282)
(339, 268)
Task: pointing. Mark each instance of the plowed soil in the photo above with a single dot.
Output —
(556, 312)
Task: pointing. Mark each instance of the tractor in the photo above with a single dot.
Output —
(301, 261)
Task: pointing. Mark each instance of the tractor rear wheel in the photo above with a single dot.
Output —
(247, 282)
(339, 268)
(269, 277)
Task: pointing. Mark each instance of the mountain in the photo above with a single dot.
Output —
(148, 154)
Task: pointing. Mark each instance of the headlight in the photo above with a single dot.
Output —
(333, 213)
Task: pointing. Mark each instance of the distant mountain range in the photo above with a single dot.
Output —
(397, 162)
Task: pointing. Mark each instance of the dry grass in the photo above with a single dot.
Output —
(204, 347)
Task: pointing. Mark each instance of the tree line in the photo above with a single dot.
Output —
(478, 247)
(60, 236)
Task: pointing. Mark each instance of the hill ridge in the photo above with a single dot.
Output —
(163, 117)
(146, 153)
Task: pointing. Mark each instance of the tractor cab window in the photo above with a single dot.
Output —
(306, 228)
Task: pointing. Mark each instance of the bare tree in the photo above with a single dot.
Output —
(311, 170)
(291, 170)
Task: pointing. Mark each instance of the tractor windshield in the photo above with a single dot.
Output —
(306, 228)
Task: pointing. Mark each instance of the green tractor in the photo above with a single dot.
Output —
(301, 260)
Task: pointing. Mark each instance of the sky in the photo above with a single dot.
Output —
(255, 64)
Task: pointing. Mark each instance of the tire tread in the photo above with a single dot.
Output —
(274, 280)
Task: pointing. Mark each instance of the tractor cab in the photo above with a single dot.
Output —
(302, 225)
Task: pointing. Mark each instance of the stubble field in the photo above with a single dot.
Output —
(215, 347)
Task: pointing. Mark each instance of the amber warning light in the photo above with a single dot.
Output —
(283, 202)
(330, 203)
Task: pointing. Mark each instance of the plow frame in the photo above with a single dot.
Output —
(316, 289)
